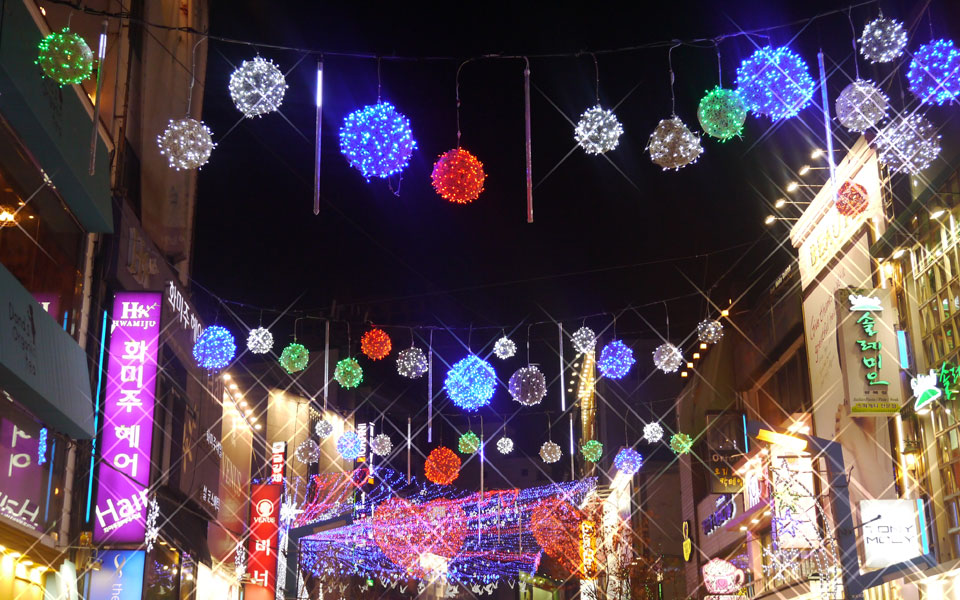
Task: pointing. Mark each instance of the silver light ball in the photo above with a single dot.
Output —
(667, 358)
(308, 452)
(584, 340)
(861, 105)
(381, 445)
(504, 348)
(709, 331)
(257, 87)
(505, 445)
(260, 340)
(550, 452)
(324, 429)
(652, 432)
(412, 363)
(187, 143)
(528, 386)
(908, 144)
(672, 145)
(598, 130)
(883, 40)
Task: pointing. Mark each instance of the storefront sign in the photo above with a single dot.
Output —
(949, 373)
(183, 313)
(588, 549)
(726, 509)
(890, 531)
(869, 357)
(687, 542)
(128, 418)
(925, 388)
(278, 460)
(120, 576)
(264, 529)
(756, 488)
(22, 476)
(794, 504)
(722, 577)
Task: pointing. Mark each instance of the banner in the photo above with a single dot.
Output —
(120, 576)
(128, 419)
(264, 529)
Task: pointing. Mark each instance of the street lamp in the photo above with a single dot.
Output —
(792, 186)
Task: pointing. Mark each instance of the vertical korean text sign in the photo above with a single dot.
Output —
(264, 531)
(128, 418)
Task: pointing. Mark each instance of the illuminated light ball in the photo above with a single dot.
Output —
(458, 176)
(505, 445)
(381, 445)
(527, 386)
(861, 105)
(470, 383)
(376, 344)
(257, 87)
(412, 363)
(294, 358)
(187, 143)
(628, 460)
(469, 443)
(908, 144)
(598, 131)
(775, 82)
(934, 74)
(616, 359)
(672, 145)
(65, 57)
(324, 429)
(504, 348)
(652, 432)
(592, 450)
(260, 340)
(377, 140)
(584, 340)
(215, 348)
(883, 40)
(308, 452)
(349, 445)
(442, 466)
(709, 331)
(550, 452)
(722, 113)
(681, 443)
(348, 373)
(852, 199)
(667, 358)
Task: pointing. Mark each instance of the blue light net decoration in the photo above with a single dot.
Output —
(616, 359)
(349, 445)
(377, 140)
(775, 82)
(628, 461)
(470, 383)
(934, 74)
(215, 348)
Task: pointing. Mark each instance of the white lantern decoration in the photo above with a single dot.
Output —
(667, 358)
(308, 452)
(527, 386)
(709, 331)
(883, 40)
(324, 429)
(550, 452)
(260, 340)
(187, 143)
(652, 432)
(584, 340)
(861, 105)
(504, 348)
(381, 445)
(505, 445)
(598, 130)
(257, 87)
(908, 144)
(672, 145)
(412, 363)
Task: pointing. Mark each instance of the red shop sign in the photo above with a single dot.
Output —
(264, 530)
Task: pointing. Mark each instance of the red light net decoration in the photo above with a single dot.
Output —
(852, 199)
(421, 539)
(442, 466)
(458, 176)
(376, 344)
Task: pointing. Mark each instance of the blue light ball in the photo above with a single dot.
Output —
(628, 460)
(349, 445)
(775, 82)
(470, 383)
(377, 140)
(934, 74)
(615, 360)
(215, 348)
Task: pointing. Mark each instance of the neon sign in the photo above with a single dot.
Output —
(925, 388)
(726, 509)
(277, 461)
(264, 529)
(870, 347)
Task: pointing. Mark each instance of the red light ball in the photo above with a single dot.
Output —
(442, 466)
(376, 344)
(458, 176)
(852, 199)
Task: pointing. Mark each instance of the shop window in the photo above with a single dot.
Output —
(162, 573)
(41, 243)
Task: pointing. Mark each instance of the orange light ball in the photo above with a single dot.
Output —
(442, 466)
(458, 176)
(376, 344)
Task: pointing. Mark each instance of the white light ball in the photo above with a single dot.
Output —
(709, 331)
(504, 348)
(550, 452)
(652, 432)
(260, 340)
(861, 105)
(324, 429)
(584, 340)
(672, 145)
(505, 445)
(883, 40)
(187, 143)
(667, 358)
(308, 452)
(257, 87)
(381, 445)
(412, 363)
(908, 144)
(527, 386)
(598, 130)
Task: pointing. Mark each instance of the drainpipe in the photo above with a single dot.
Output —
(87, 289)
(65, 512)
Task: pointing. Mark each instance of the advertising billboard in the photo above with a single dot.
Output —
(264, 530)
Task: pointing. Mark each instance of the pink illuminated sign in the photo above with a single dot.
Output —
(128, 419)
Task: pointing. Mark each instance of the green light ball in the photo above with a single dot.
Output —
(592, 450)
(65, 57)
(681, 443)
(469, 443)
(294, 358)
(348, 373)
(722, 113)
